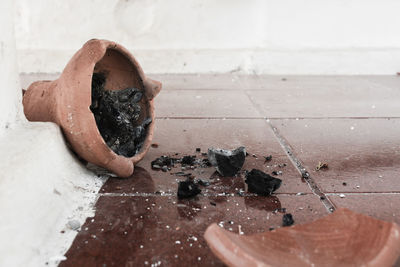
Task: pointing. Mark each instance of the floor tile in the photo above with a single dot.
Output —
(362, 155)
(327, 98)
(228, 81)
(184, 136)
(392, 81)
(136, 231)
(382, 206)
(204, 103)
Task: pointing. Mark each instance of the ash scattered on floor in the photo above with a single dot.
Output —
(287, 220)
(227, 162)
(118, 114)
(187, 163)
(261, 183)
(188, 189)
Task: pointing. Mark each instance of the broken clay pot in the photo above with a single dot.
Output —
(66, 101)
(343, 238)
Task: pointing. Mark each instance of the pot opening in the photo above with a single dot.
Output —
(119, 104)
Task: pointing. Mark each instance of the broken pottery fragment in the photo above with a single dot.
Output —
(261, 183)
(67, 102)
(343, 238)
(227, 162)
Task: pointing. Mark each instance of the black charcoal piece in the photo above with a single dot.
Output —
(205, 163)
(227, 162)
(188, 189)
(188, 160)
(261, 183)
(287, 220)
(203, 182)
(268, 158)
(158, 163)
(119, 117)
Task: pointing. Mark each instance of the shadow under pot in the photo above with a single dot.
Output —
(104, 104)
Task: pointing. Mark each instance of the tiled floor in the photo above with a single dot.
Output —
(350, 123)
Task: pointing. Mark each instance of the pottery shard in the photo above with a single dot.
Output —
(227, 162)
(342, 238)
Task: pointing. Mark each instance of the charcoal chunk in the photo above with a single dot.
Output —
(203, 182)
(267, 158)
(188, 189)
(227, 162)
(163, 161)
(188, 160)
(261, 183)
(119, 117)
(287, 220)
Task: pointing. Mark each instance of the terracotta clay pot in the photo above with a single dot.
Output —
(66, 101)
(343, 238)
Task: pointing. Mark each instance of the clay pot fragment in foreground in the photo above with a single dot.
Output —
(67, 102)
(343, 238)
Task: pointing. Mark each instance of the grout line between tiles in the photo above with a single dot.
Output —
(362, 193)
(210, 118)
(272, 118)
(169, 194)
(302, 170)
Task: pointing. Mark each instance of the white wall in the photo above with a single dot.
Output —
(42, 185)
(254, 36)
(10, 92)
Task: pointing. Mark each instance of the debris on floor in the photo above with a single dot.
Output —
(188, 189)
(267, 158)
(287, 220)
(276, 173)
(119, 117)
(203, 182)
(227, 162)
(188, 160)
(321, 166)
(162, 161)
(74, 225)
(261, 183)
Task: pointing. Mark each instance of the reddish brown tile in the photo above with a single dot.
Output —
(204, 103)
(327, 98)
(202, 81)
(362, 155)
(234, 81)
(390, 81)
(382, 206)
(184, 136)
(133, 231)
